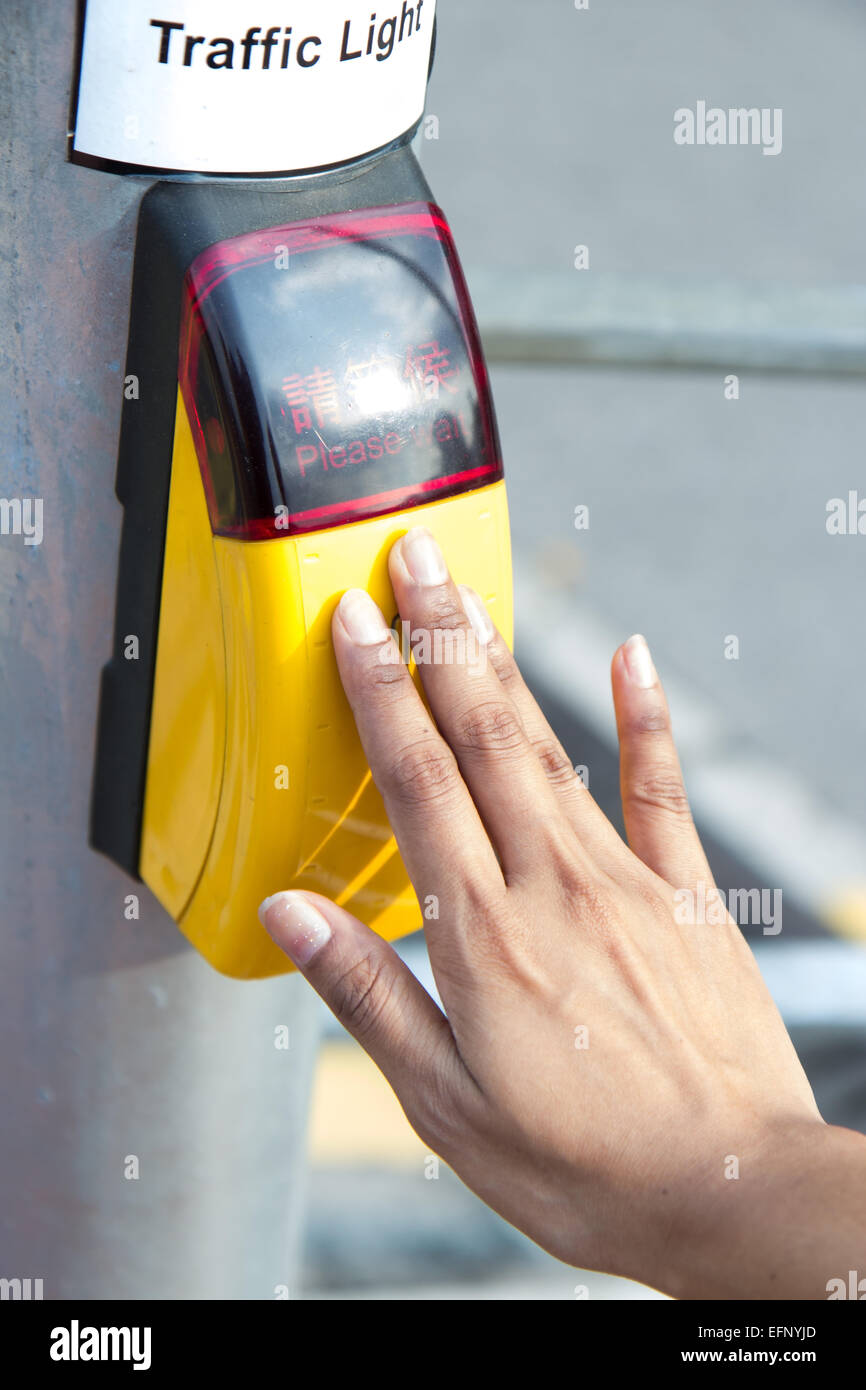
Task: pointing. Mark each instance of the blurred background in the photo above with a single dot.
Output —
(707, 511)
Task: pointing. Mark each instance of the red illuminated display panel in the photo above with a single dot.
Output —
(332, 371)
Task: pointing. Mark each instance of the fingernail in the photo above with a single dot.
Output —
(295, 925)
(362, 619)
(477, 614)
(423, 557)
(639, 663)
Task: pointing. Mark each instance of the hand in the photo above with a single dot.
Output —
(602, 1068)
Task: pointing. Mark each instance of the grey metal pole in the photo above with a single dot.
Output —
(152, 1120)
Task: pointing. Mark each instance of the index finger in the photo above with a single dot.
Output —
(444, 844)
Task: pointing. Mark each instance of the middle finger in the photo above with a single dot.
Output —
(476, 717)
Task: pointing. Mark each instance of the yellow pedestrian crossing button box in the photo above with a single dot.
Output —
(329, 393)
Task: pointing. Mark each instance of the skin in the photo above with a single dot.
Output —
(602, 1067)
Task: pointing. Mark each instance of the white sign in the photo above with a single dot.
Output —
(249, 86)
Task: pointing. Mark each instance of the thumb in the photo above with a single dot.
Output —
(369, 989)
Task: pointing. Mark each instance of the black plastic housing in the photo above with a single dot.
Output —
(177, 221)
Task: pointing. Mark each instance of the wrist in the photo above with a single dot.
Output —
(781, 1220)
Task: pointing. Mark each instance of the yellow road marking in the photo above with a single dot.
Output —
(846, 913)
(355, 1116)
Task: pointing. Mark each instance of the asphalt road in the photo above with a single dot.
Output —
(707, 516)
